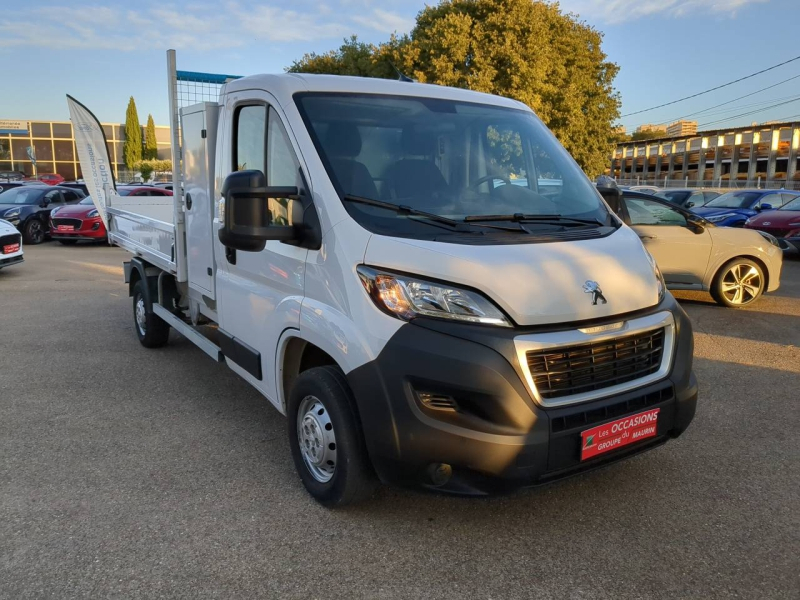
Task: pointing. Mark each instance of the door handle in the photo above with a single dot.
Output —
(188, 201)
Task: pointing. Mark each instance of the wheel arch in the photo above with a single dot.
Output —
(296, 355)
(752, 257)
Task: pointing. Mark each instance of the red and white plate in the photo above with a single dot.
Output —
(65, 228)
(617, 434)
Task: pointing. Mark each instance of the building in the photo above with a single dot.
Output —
(648, 127)
(53, 146)
(738, 156)
(679, 128)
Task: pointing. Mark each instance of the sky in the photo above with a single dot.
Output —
(666, 49)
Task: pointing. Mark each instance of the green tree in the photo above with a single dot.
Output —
(638, 136)
(524, 49)
(150, 143)
(132, 148)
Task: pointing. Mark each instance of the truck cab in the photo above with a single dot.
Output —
(420, 278)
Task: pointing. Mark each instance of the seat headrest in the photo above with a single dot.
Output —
(342, 140)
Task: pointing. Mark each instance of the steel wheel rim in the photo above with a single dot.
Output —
(741, 284)
(317, 439)
(141, 315)
(36, 232)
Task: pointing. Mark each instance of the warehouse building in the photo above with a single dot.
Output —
(757, 155)
(52, 145)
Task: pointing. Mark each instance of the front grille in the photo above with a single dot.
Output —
(11, 238)
(76, 223)
(587, 367)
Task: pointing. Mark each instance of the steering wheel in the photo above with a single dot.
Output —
(474, 185)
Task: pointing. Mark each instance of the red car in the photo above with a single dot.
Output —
(74, 222)
(48, 178)
(783, 223)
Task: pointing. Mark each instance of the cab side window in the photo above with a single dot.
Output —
(648, 212)
(250, 136)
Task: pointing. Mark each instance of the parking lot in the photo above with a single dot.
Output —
(127, 472)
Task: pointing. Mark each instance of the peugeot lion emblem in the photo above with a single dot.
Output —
(767, 223)
(593, 288)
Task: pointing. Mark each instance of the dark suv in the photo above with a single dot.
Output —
(28, 208)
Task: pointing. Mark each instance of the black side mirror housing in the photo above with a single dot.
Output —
(612, 196)
(247, 220)
(765, 207)
(696, 224)
(689, 205)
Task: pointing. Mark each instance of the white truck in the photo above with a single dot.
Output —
(419, 278)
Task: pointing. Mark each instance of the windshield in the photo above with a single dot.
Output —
(451, 159)
(21, 195)
(734, 200)
(793, 205)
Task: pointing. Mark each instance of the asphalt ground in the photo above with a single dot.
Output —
(135, 473)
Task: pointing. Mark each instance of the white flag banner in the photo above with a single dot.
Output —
(90, 140)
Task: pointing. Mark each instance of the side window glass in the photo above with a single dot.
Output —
(786, 198)
(647, 212)
(773, 200)
(282, 167)
(250, 137)
(54, 197)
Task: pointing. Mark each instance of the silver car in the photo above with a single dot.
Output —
(735, 265)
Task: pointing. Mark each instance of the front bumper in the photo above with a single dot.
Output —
(90, 230)
(498, 438)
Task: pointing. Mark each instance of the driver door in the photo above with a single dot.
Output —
(682, 253)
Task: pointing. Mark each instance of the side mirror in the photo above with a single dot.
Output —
(689, 205)
(247, 219)
(765, 207)
(612, 196)
(45, 202)
(696, 224)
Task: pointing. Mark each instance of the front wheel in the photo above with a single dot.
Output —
(326, 440)
(151, 329)
(738, 283)
(33, 232)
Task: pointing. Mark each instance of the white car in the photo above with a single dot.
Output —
(10, 245)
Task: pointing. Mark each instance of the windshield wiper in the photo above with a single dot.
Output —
(425, 217)
(523, 218)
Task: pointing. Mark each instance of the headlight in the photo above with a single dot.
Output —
(55, 210)
(662, 285)
(794, 224)
(718, 218)
(92, 214)
(770, 238)
(10, 214)
(407, 297)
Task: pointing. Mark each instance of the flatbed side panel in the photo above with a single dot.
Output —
(143, 236)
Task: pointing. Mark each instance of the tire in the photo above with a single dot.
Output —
(33, 232)
(338, 472)
(68, 242)
(152, 330)
(738, 283)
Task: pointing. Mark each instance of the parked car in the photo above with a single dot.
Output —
(48, 178)
(689, 197)
(783, 223)
(10, 245)
(644, 189)
(734, 208)
(736, 266)
(9, 185)
(28, 208)
(167, 185)
(76, 185)
(72, 223)
(142, 190)
(11, 175)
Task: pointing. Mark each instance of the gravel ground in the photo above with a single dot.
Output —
(127, 472)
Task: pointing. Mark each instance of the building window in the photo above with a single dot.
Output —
(44, 149)
(41, 130)
(64, 150)
(62, 130)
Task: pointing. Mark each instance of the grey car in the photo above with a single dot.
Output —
(735, 265)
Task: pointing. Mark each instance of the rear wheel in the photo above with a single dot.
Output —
(33, 232)
(738, 283)
(151, 329)
(326, 439)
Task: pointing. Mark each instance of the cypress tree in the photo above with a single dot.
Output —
(150, 143)
(132, 148)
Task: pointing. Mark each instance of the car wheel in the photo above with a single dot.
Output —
(68, 242)
(738, 283)
(151, 329)
(326, 439)
(33, 232)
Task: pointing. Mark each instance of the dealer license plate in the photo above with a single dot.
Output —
(610, 436)
(66, 228)
(8, 249)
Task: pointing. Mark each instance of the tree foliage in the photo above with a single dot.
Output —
(150, 142)
(638, 136)
(147, 167)
(132, 148)
(524, 49)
